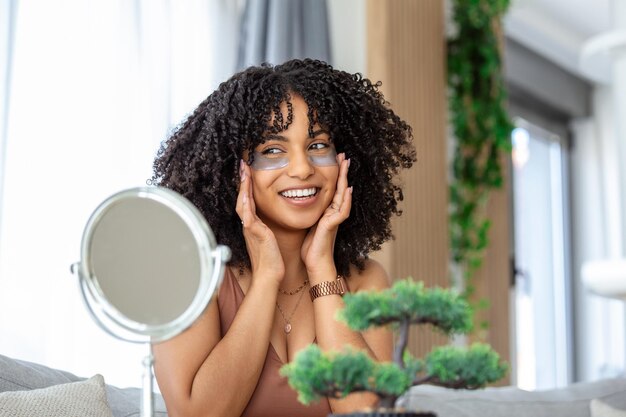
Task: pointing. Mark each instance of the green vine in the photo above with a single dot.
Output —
(481, 127)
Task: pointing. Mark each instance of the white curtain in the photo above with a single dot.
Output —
(7, 25)
(95, 87)
(600, 322)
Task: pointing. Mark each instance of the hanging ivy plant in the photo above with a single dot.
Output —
(481, 127)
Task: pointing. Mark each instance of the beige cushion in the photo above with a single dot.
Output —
(76, 399)
(602, 409)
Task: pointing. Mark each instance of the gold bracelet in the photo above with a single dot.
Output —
(328, 287)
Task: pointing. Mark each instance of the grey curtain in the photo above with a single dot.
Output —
(277, 30)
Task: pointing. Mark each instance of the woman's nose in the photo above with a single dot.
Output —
(300, 166)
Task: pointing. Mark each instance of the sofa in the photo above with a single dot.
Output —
(29, 389)
(604, 398)
(33, 390)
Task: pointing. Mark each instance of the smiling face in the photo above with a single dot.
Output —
(294, 176)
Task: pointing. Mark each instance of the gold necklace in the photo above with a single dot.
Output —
(287, 320)
(297, 290)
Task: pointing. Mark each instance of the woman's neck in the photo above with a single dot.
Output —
(290, 245)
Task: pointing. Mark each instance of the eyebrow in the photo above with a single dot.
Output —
(273, 136)
(281, 138)
(320, 132)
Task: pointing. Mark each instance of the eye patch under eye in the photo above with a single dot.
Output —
(263, 162)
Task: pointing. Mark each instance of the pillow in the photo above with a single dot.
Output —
(76, 399)
(602, 409)
(19, 375)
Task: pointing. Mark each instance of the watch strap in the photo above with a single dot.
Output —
(337, 286)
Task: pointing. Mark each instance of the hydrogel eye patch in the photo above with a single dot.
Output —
(264, 162)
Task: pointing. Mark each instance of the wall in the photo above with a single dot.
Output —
(600, 323)
(347, 34)
(406, 50)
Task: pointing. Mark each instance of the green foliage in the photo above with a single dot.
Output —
(389, 378)
(481, 126)
(413, 365)
(407, 300)
(310, 373)
(350, 371)
(470, 368)
(314, 374)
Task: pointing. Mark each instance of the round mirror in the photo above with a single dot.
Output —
(149, 264)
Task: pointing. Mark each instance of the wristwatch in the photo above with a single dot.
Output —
(337, 286)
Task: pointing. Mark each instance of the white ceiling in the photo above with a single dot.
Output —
(587, 17)
(558, 30)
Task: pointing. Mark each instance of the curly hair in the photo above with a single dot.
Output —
(200, 160)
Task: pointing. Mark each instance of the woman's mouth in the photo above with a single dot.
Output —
(299, 193)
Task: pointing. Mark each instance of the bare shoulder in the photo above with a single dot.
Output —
(372, 277)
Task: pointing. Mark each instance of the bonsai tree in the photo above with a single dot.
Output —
(314, 374)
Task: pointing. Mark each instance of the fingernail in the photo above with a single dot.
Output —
(244, 199)
(350, 188)
(348, 162)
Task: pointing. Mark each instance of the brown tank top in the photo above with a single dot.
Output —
(272, 397)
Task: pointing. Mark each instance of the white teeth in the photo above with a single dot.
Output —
(306, 192)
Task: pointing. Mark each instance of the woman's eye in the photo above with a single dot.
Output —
(318, 146)
(271, 151)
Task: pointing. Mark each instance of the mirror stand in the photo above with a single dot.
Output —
(147, 386)
(133, 246)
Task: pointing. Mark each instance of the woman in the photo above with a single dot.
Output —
(292, 166)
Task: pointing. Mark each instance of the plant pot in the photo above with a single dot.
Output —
(387, 414)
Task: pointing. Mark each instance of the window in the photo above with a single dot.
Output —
(94, 89)
(541, 253)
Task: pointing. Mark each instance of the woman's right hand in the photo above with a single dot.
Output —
(265, 258)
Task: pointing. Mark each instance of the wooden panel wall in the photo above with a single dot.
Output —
(406, 51)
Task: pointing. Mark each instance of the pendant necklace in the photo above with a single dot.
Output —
(297, 290)
(287, 320)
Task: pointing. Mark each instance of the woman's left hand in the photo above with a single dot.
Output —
(319, 244)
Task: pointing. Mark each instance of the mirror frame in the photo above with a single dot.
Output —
(212, 257)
